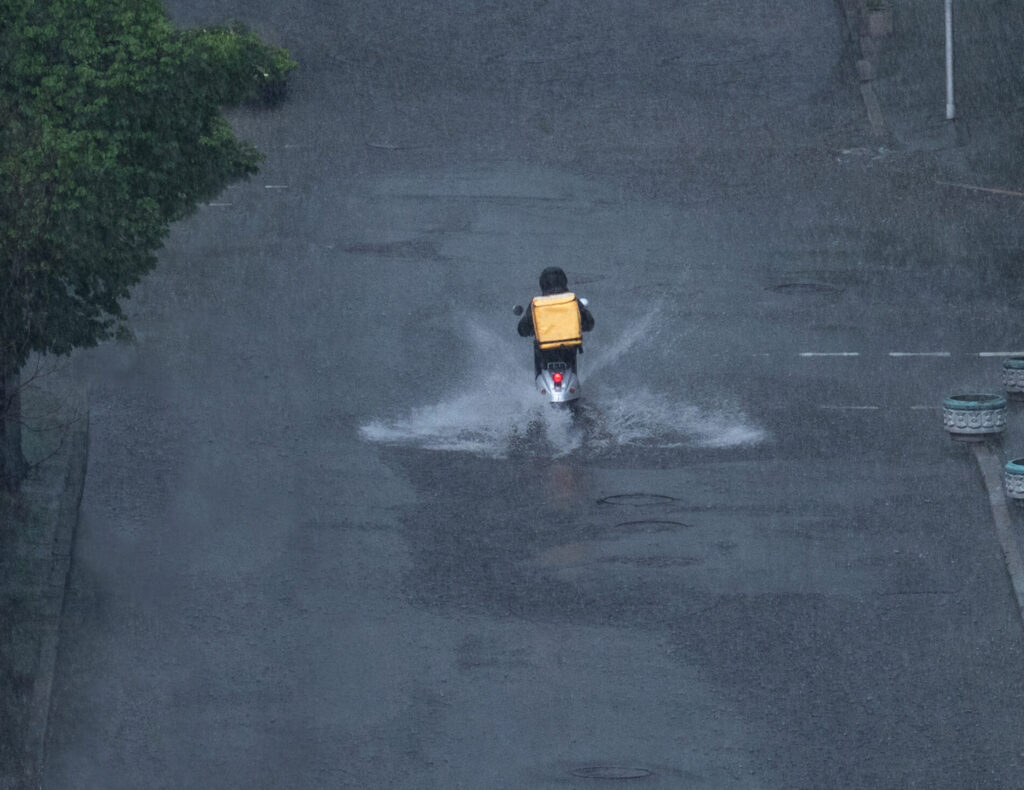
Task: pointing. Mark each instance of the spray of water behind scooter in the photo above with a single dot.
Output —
(494, 411)
(497, 412)
(622, 412)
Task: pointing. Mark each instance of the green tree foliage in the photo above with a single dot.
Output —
(111, 128)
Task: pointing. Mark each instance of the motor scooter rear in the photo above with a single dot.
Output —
(560, 383)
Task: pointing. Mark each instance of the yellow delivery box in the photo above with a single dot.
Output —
(556, 320)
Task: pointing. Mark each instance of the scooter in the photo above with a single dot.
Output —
(558, 380)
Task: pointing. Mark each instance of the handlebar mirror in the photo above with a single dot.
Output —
(584, 301)
(518, 309)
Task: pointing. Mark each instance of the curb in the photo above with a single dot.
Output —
(990, 463)
(65, 530)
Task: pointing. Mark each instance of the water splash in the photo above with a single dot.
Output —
(654, 420)
(633, 337)
(486, 422)
(503, 414)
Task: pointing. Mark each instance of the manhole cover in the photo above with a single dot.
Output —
(653, 524)
(637, 500)
(610, 772)
(805, 288)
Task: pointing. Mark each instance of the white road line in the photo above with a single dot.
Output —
(1001, 353)
(830, 353)
(975, 188)
(851, 408)
(218, 204)
(275, 186)
(926, 408)
(919, 354)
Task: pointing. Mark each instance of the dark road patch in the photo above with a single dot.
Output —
(587, 279)
(398, 249)
(652, 561)
(805, 288)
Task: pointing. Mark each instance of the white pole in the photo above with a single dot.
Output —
(950, 106)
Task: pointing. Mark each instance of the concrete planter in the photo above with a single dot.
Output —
(1013, 377)
(974, 418)
(1013, 479)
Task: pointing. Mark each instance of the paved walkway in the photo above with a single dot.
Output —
(36, 536)
(982, 144)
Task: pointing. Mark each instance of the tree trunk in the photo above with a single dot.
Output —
(12, 461)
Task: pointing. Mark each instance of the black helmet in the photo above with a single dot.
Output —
(553, 281)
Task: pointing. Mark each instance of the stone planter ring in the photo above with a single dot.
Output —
(974, 418)
(1013, 377)
(1013, 480)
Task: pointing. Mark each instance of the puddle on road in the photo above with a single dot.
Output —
(502, 415)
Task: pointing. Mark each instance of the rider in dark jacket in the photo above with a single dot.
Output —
(553, 281)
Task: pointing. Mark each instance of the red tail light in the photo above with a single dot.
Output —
(557, 378)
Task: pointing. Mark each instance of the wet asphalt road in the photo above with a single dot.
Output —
(747, 568)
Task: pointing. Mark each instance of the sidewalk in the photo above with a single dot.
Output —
(979, 152)
(36, 538)
(908, 78)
